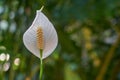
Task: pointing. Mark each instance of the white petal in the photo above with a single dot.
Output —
(49, 33)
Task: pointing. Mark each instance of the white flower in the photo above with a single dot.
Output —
(42, 29)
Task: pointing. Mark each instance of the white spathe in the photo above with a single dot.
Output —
(49, 34)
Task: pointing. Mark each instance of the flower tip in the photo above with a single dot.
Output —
(40, 9)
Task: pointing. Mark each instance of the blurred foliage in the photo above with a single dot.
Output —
(89, 40)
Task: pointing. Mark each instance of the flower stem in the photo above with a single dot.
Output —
(41, 65)
(41, 69)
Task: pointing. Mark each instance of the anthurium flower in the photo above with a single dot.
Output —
(41, 35)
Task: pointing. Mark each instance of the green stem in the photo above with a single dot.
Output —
(41, 69)
(41, 65)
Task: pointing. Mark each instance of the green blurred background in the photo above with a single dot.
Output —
(89, 40)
